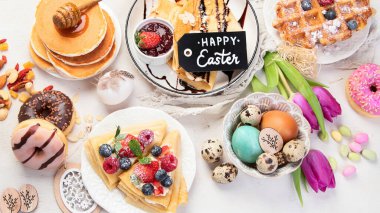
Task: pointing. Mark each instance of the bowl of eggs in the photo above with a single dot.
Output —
(265, 135)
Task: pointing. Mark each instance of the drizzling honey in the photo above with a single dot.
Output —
(76, 31)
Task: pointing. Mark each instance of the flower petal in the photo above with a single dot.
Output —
(306, 110)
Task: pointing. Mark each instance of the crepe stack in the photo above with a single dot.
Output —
(196, 16)
(79, 55)
(159, 128)
(177, 193)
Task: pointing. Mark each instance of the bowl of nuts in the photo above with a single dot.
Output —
(265, 135)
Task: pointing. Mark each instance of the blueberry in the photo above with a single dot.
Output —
(330, 14)
(156, 151)
(105, 150)
(160, 175)
(167, 182)
(125, 163)
(306, 5)
(147, 189)
(352, 25)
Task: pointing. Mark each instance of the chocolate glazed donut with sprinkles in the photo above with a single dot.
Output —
(52, 106)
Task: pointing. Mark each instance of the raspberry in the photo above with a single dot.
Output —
(325, 2)
(146, 137)
(169, 162)
(111, 165)
(146, 172)
(125, 151)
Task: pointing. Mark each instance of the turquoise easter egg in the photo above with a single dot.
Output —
(245, 143)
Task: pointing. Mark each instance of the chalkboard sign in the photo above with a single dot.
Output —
(202, 52)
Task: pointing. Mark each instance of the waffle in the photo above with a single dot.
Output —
(308, 28)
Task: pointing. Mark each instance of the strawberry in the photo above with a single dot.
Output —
(165, 150)
(147, 40)
(159, 190)
(169, 162)
(125, 151)
(145, 172)
(129, 137)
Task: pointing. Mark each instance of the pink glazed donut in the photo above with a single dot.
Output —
(39, 144)
(363, 90)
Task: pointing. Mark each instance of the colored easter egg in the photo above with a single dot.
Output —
(245, 144)
(282, 122)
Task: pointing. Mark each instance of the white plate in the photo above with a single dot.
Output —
(113, 201)
(325, 54)
(115, 20)
(164, 77)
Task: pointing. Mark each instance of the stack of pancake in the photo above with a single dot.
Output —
(76, 55)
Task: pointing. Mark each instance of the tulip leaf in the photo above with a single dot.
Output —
(303, 87)
(258, 86)
(282, 90)
(297, 183)
(271, 70)
(303, 178)
(313, 83)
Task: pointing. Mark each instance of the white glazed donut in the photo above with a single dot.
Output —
(39, 144)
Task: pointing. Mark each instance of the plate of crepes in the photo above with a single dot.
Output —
(336, 28)
(78, 52)
(178, 18)
(139, 160)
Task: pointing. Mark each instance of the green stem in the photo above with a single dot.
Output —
(285, 84)
(282, 90)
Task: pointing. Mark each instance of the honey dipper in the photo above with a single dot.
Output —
(69, 14)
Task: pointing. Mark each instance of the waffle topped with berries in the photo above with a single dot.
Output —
(306, 23)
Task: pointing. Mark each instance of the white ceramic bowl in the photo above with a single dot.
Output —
(266, 102)
(154, 60)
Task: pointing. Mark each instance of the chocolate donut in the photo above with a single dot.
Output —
(52, 106)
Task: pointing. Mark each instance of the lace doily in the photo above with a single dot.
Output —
(184, 106)
(74, 194)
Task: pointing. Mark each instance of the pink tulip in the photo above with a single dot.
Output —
(330, 107)
(318, 171)
(306, 110)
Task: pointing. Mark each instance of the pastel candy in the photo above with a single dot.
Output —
(361, 138)
(270, 141)
(349, 171)
(336, 136)
(345, 131)
(245, 144)
(369, 154)
(333, 163)
(355, 147)
(344, 150)
(354, 156)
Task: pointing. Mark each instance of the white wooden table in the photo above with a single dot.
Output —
(246, 194)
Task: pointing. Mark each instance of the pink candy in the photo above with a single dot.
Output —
(349, 171)
(355, 147)
(361, 138)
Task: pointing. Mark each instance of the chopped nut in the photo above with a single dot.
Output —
(4, 95)
(75, 98)
(13, 75)
(78, 121)
(99, 117)
(23, 97)
(29, 87)
(81, 134)
(13, 94)
(8, 104)
(3, 81)
(89, 119)
(3, 113)
(73, 138)
(28, 64)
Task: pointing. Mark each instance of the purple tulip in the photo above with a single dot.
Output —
(318, 171)
(330, 107)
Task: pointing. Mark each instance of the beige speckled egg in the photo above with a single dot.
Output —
(212, 151)
(225, 173)
(294, 150)
(266, 163)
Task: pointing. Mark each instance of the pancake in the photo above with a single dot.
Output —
(37, 45)
(82, 44)
(98, 54)
(81, 71)
(40, 62)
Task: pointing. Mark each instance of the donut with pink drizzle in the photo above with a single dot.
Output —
(363, 90)
(39, 145)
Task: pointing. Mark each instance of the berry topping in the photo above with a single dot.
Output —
(146, 137)
(352, 25)
(169, 162)
(165, 150)
(160, 175)
(111, 165)
(126, 152)
(128, 138)
(167, 182)
(147, 189)
(105, 150)
(306, 5)
(156, 151)
(159, 190)
(125, 163)
(146, 172)
(147, 40)
(330, 14)
(325, 2)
